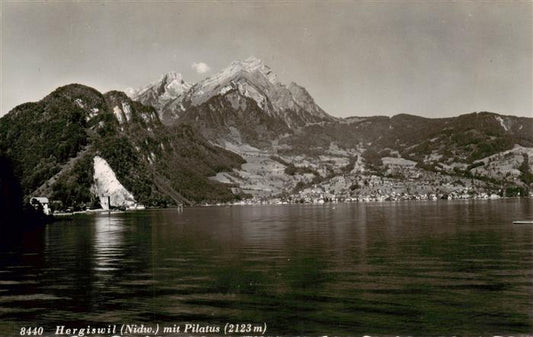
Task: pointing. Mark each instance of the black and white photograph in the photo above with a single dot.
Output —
(266, 168)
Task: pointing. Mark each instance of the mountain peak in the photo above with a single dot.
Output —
(251, 65)
(170, 85)
(173, 85)
(74, 89)
(169, 88)
(250, 78)
(171, 76)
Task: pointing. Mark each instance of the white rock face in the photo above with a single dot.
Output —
(106, 184)
(251, 69)
(253, 79)
(127, 111)
(118, 114)
(250, 78)
(164, 94)
(79, 103)
(170, 85)
(502, 123)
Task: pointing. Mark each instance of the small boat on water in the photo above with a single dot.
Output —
(523, 222)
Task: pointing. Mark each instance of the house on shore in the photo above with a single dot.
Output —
(43, 202)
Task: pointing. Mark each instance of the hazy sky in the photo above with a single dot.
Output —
(354, 57)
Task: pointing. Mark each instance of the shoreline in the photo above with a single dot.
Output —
(274, 203)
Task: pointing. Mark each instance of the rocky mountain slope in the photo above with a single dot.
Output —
(164, 95)
(241, 133)
(246, 98)
(290, 143)
(57, 144)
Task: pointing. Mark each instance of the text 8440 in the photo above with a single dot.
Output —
(31, 331)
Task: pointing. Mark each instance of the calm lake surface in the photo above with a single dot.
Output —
(422, 268)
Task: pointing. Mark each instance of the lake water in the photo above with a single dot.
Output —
(422, 268)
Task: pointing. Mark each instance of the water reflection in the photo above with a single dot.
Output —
(383, 268)
(108, 243)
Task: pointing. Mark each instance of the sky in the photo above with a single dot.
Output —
(356, 58)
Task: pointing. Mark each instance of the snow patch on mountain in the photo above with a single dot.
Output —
(107, 185)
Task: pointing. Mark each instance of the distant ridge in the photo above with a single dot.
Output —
(242, 134)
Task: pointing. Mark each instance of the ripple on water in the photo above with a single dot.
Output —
(403, 268)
